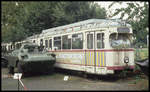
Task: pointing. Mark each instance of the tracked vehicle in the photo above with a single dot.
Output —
(30, 59)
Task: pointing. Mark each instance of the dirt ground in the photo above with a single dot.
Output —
(56, 81)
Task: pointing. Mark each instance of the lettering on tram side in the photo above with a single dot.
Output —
(81, 27)
(70, 56)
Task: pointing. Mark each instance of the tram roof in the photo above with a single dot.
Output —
(32, 37)
(100, 22)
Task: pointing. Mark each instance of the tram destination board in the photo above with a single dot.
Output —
(123, 30)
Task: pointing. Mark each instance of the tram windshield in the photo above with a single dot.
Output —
(120, 40)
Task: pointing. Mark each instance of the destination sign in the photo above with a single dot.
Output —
(123, 30)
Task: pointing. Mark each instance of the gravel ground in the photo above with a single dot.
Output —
(56, 81)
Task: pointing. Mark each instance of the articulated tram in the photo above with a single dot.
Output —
(96, 46)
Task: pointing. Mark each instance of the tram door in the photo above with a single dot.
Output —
(90, 52)
(100, 54)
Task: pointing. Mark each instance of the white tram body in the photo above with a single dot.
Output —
(7, 46)
(97, 46)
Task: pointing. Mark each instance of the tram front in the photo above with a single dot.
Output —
(122, 55)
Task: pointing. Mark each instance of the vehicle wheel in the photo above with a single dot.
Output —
(51, 70)
(17, 63)
(11, 70)
(20, 70)
(4, 63)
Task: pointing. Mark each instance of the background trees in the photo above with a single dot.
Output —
(23, 19)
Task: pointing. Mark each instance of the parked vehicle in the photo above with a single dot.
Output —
(4, 61)
(144, 65)
(29, 59)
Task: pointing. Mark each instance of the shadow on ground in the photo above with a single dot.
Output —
(92, 77)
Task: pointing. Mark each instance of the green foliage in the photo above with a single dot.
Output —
(23, 19)
(141, 54)
(11, 22)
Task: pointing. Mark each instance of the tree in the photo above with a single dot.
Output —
(10, 22)
(23, 19)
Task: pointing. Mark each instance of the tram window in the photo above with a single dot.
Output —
(57, 42)
(50, 43)
(120, 40)
(77, 41)
(11, 47)
(17, 45)
(5, 48)
(100, 40)
(33, 41)
(2, 48)
(46, 43)
(41, 42)
(90, 41)
(66, 42)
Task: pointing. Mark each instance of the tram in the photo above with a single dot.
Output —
(97, 46)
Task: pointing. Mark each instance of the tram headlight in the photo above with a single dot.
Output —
(126, 60)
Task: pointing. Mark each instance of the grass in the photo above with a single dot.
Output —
(141, 54)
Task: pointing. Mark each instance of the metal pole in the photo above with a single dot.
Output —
(147, 36)
(147, 40)
(18, 82)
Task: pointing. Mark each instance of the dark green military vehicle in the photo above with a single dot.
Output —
(30, 59)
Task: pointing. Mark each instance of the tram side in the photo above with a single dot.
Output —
(93, 51)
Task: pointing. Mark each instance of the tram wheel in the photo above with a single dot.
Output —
(85, 75)
(20, 70)
(11, 69)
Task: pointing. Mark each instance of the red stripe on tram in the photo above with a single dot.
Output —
(104, 50)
